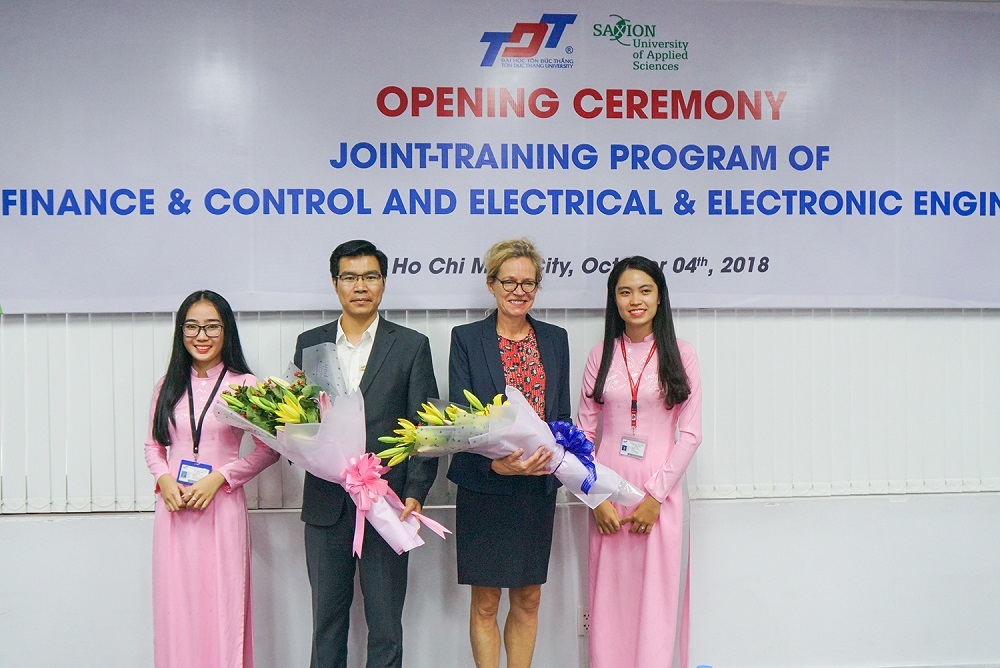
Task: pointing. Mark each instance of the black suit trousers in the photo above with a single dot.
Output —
(331, 565)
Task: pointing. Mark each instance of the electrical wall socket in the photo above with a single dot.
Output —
(583, 621)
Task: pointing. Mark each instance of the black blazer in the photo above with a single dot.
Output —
(474, 364)
(398, 378)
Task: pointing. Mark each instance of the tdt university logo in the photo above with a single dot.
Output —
(513, 52)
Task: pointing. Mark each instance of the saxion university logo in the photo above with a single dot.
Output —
(521, 46)
(650, 51)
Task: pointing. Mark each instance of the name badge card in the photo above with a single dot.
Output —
(191, 472)
(633, 446)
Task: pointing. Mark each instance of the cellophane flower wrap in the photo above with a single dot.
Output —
(499, 429)
(516, 425)
(444, 428)
(264, 408)
(334, 449)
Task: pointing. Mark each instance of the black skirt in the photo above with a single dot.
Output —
(503, 541)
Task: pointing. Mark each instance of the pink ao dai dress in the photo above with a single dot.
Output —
(639, 582)
(201, 559)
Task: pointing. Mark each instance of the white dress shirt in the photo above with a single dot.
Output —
(353, 358)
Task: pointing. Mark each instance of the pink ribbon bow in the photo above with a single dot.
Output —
(363, 481)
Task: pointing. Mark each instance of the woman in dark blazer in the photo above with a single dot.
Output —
(506, 507)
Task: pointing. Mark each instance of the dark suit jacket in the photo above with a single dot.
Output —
(398, 378)
(474, 364)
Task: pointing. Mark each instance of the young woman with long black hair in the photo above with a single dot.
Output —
(201, 533)
(644, 384)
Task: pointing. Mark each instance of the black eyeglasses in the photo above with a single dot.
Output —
(352, 279)
(212, 330)
(510, 285)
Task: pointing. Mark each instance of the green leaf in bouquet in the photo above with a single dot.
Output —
(310, 391)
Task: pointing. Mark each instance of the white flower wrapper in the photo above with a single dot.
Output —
(322, 367)
(516, 425)
(434, 441)
(326, 450)
(228, 416)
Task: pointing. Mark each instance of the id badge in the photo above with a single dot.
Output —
(633, 446)
(191, 472)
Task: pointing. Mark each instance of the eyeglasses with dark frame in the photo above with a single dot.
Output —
(213, 330)
(352, 279)
(509, 285)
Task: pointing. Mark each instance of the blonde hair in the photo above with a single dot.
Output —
(510, 249)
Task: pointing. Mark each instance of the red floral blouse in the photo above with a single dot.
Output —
(523, 369)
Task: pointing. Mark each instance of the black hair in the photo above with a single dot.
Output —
(178, 376)
(673, 379)
(357, 248)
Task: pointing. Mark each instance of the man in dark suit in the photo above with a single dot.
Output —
(392, 366)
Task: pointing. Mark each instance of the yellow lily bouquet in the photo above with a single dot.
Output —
(441, 430)
(325, 436)
(499, 429)
(275, 402)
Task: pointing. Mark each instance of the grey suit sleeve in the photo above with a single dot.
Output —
(420, 471)
(297, 359)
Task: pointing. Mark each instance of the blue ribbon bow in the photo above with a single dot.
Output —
(576, 442)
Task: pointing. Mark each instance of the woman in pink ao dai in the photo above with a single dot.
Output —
(201, 532)
(643, 387)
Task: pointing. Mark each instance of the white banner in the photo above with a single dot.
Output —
(768, 155)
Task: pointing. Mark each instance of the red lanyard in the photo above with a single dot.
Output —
(635, 386)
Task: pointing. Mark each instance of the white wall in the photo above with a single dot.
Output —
(872, 581)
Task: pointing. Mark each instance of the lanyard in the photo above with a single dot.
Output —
(196, 429)
(635, 386)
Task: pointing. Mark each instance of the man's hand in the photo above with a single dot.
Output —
(411, 506)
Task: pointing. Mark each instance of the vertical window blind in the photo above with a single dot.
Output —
(812, 402)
